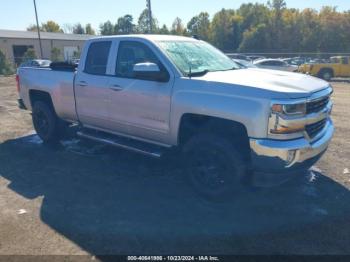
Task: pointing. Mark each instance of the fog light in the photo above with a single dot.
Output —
(290, 157)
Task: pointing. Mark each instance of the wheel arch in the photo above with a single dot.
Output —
(38, 95)
(190, 124)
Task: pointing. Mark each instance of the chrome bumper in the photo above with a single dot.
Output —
(278, 156)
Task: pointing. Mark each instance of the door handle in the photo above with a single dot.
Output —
(116, 88)
(82, 83)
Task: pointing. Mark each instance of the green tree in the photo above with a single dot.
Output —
(291, 36)
(29, 54)
(253, 15)
(256, 40)
(56, 54)
(200, 26)
(77, 54)
(89, 30)
(310, 30)
(277, 25)
(107, 28)
(51, 26)
(164, 30)
(143, 23)
(333, 37)
(78, 29)
(177, 27)
(222, 28)
(5, 66)
(32, 28)
(125, 25)
(248, 17)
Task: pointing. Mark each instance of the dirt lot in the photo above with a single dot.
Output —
(83, 198)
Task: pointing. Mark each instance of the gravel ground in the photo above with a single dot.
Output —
(84, 198)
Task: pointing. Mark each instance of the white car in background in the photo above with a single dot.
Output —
(36, 63)
(275, 64)
(244, 63)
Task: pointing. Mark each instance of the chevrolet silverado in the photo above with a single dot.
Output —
(151, 94)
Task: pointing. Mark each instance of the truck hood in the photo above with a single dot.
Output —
(292, 85)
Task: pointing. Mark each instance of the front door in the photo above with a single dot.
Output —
(137, 106)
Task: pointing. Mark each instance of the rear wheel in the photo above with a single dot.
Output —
(46, 123)
(214, 167)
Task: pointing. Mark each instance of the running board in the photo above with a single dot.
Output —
(121, 142)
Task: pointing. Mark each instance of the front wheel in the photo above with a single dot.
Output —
(214, 167)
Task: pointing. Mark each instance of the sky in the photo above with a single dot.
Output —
(19, 14)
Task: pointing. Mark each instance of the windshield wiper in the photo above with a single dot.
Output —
(199, 73)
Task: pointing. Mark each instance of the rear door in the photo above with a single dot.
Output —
(139, 107)
(91, 86)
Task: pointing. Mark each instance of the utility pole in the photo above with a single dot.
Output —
(38, 28)
(148, 4)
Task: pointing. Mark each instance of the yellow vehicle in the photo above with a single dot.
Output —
(338, 67)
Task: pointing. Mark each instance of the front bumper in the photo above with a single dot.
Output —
(275, 161)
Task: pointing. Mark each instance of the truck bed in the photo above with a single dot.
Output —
(59, 84)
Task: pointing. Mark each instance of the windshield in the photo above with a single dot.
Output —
(193, 57)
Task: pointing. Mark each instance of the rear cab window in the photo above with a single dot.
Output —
(97, 58)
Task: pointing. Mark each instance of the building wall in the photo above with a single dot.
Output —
(6, 46)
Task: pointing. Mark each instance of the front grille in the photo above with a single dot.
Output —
(317, 105)
(313, 129)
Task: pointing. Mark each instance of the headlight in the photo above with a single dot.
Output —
(279, 124)
(290, 109)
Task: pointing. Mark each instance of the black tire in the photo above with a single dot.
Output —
(326, 74)
(46, 124)
(214, 167)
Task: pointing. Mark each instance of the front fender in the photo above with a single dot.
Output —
(251, 112)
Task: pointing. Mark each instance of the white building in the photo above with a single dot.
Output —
(15, 43)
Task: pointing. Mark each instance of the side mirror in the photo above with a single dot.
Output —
(149, 71)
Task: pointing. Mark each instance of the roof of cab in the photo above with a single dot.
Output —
(148, 37)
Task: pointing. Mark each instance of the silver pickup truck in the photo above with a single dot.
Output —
(152, 93)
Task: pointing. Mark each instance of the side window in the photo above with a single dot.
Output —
(345, 60)
(131, 53)
(97, 58)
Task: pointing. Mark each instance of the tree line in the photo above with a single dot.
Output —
(259, 28)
